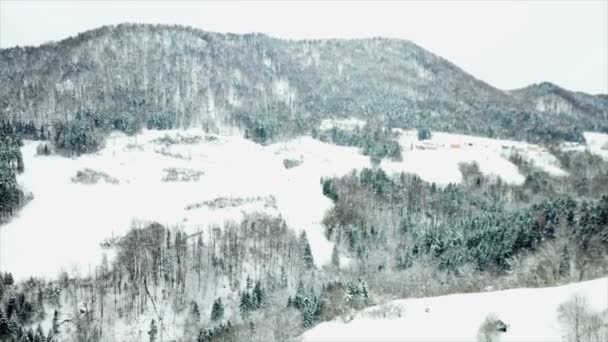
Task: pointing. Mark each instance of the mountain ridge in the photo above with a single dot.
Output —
(200, 77)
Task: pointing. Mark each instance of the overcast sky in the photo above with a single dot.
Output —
(507, 44)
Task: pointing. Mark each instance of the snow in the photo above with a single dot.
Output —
(438, 159)
(62, 227)
(597, 143)
(348, 124)
(530, 313)
(283, 91)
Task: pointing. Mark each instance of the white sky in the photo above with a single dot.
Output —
(508, 44)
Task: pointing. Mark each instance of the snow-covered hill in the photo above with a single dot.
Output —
(531, 315)
(220, 76)
(194, 180)
(176, 177)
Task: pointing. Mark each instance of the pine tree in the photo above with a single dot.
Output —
(311, 311)
(195, 314)
(424, 134)
(30, 336)
(11, 307)
(4, 329)
(8, 279)
(217, 311)
(13, 325)
(298, 299)
(39, 336)
(245, 304)
(40, 300)
(335, 257)
(168, 239)
(309, 262)
(42, 135)
(55, 323)
(153, 331)
(363, 291)
(357, 295)
(258, 296)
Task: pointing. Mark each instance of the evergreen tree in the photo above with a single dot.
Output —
(311, 310)
(424, 134)
(357, 295)
(195, 314)
(300, 296)
(335, 257)
(153, 331)
(11, 163)
(8, 279)
(13, 326)
(245, 305)
(217, 310)
(42, 134)
(309, 262)
(11, 307)
(55, 323)
(4, 329)
(30, 335)
(258, 296)
(39, 336)
(40, 304)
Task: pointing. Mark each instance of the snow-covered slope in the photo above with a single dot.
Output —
(62, 227)
(438, 159)
(530, 313)
(597, 143)
(226, 177)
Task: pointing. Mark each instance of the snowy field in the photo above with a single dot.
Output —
(530, 313)
(438, 159)
(194, 180)
(62, 227)
(597, 143)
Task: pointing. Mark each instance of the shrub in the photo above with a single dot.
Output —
(490, 329)
(43, 149)
(424, 134)
(387, 311)
(291, 163)
(89, 176)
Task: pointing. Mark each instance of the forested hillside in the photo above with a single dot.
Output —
(191, 77)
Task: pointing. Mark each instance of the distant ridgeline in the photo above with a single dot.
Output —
(174, 76)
